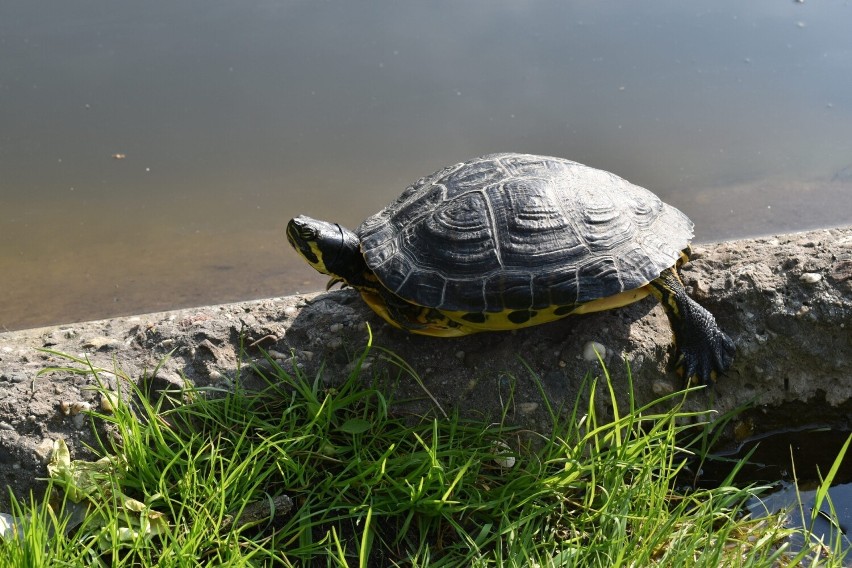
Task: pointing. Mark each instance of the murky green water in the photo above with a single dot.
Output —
(234, 116)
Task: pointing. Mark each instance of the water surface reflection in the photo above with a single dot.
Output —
(235, 116)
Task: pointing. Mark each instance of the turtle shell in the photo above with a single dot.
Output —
(518, 231)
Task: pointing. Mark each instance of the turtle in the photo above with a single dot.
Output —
(509, 240)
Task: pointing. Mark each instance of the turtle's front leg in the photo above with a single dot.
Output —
(704, 350)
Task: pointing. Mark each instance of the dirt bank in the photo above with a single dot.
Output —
(786, 301)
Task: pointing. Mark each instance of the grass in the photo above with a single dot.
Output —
(302, 474)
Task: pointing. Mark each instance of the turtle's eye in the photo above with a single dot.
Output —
(309, 233)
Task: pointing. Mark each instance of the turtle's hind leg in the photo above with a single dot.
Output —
(704, 350)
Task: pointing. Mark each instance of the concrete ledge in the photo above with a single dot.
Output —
(785, 300)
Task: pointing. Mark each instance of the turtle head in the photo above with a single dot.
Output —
(328, 247)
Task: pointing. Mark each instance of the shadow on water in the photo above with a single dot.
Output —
(793, 463)
(786, 455)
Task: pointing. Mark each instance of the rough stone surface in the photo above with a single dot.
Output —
(792, 331)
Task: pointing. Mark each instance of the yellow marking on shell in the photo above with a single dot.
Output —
(440, 323)
(612, 302)
(503, 320)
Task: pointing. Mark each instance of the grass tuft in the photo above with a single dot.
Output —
(303, 473)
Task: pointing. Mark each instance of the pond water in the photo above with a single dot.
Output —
(152, 152)
(793, 463)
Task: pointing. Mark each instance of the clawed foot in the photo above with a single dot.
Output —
(702, 358)
(703, 350)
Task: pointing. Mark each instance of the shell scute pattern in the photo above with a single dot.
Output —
(508, 292)
(458, 234)
(526, 166)
(465, 179)
(533, 225)
(598, 275)
(603, 202)
(559, 287)
(517, 232)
